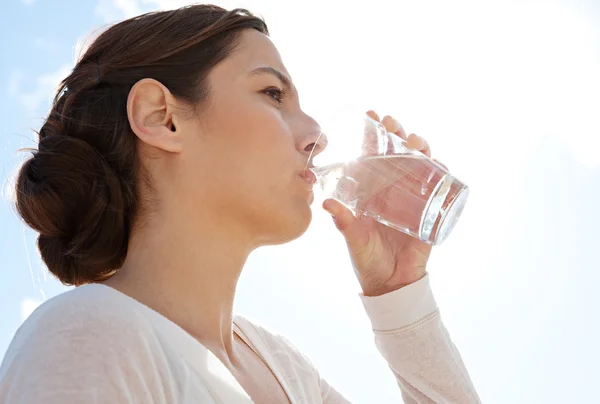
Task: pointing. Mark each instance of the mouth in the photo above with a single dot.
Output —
(309, 177)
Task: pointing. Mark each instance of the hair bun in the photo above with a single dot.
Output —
(67, 192)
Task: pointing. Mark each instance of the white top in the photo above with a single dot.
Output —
(94, 344)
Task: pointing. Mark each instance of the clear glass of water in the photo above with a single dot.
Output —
(375, 174)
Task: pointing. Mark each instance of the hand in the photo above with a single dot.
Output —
(384, 259)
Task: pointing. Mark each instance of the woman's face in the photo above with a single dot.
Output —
(245, 156)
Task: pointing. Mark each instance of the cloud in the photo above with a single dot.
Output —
(46, 44)
(43, 92)
(27, 307)
(14, 82)
(28, 2)
(227, 4)
(114, 10)
(167, 4)
(172, 4)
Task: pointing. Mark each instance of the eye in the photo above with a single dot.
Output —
(275, 93)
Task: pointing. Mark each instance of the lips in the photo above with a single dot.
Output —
(309, 177)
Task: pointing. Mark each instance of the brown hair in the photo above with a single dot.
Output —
(79, 190)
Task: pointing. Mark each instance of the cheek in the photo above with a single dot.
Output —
(261, 139)
(250, 145)
(251, 158)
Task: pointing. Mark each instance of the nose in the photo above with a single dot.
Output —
(311, 140)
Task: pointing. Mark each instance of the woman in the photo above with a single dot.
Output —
(175, 148)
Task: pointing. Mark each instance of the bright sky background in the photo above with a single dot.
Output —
(506, 92)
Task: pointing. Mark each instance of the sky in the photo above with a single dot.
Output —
(506, 93)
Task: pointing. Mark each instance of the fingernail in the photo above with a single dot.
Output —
(327, 206)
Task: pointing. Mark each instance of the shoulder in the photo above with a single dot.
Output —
(78, 343)
(84, 316)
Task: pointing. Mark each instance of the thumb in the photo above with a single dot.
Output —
(342, 216)
(355, 230)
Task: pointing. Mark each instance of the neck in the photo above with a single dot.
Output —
(190, 278)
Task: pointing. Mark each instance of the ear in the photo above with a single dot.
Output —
(149, 110)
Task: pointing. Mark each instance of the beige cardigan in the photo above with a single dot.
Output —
(94, 344)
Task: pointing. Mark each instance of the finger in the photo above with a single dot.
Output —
(418, 143)
(426, 150)
(342, 216)
(393, 126)
(370, 145)
(351, 226)
(373, 115)
(415, 142)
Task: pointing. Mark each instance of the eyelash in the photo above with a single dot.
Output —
(279, 94)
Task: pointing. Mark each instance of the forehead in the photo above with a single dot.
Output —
(253, 50)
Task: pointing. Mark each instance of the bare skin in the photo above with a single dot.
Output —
(228, 177)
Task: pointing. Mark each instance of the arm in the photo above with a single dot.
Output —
(410, 335)
(78, 357)
(391, 268)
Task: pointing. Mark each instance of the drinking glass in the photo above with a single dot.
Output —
(375, 174)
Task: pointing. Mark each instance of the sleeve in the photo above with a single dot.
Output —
(80, 358)
(410, 335)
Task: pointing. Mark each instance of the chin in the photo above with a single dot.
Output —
(304, 221)
(292, 225)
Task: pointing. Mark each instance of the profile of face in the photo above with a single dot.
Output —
(241, 157)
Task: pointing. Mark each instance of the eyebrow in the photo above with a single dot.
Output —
(268, 70)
